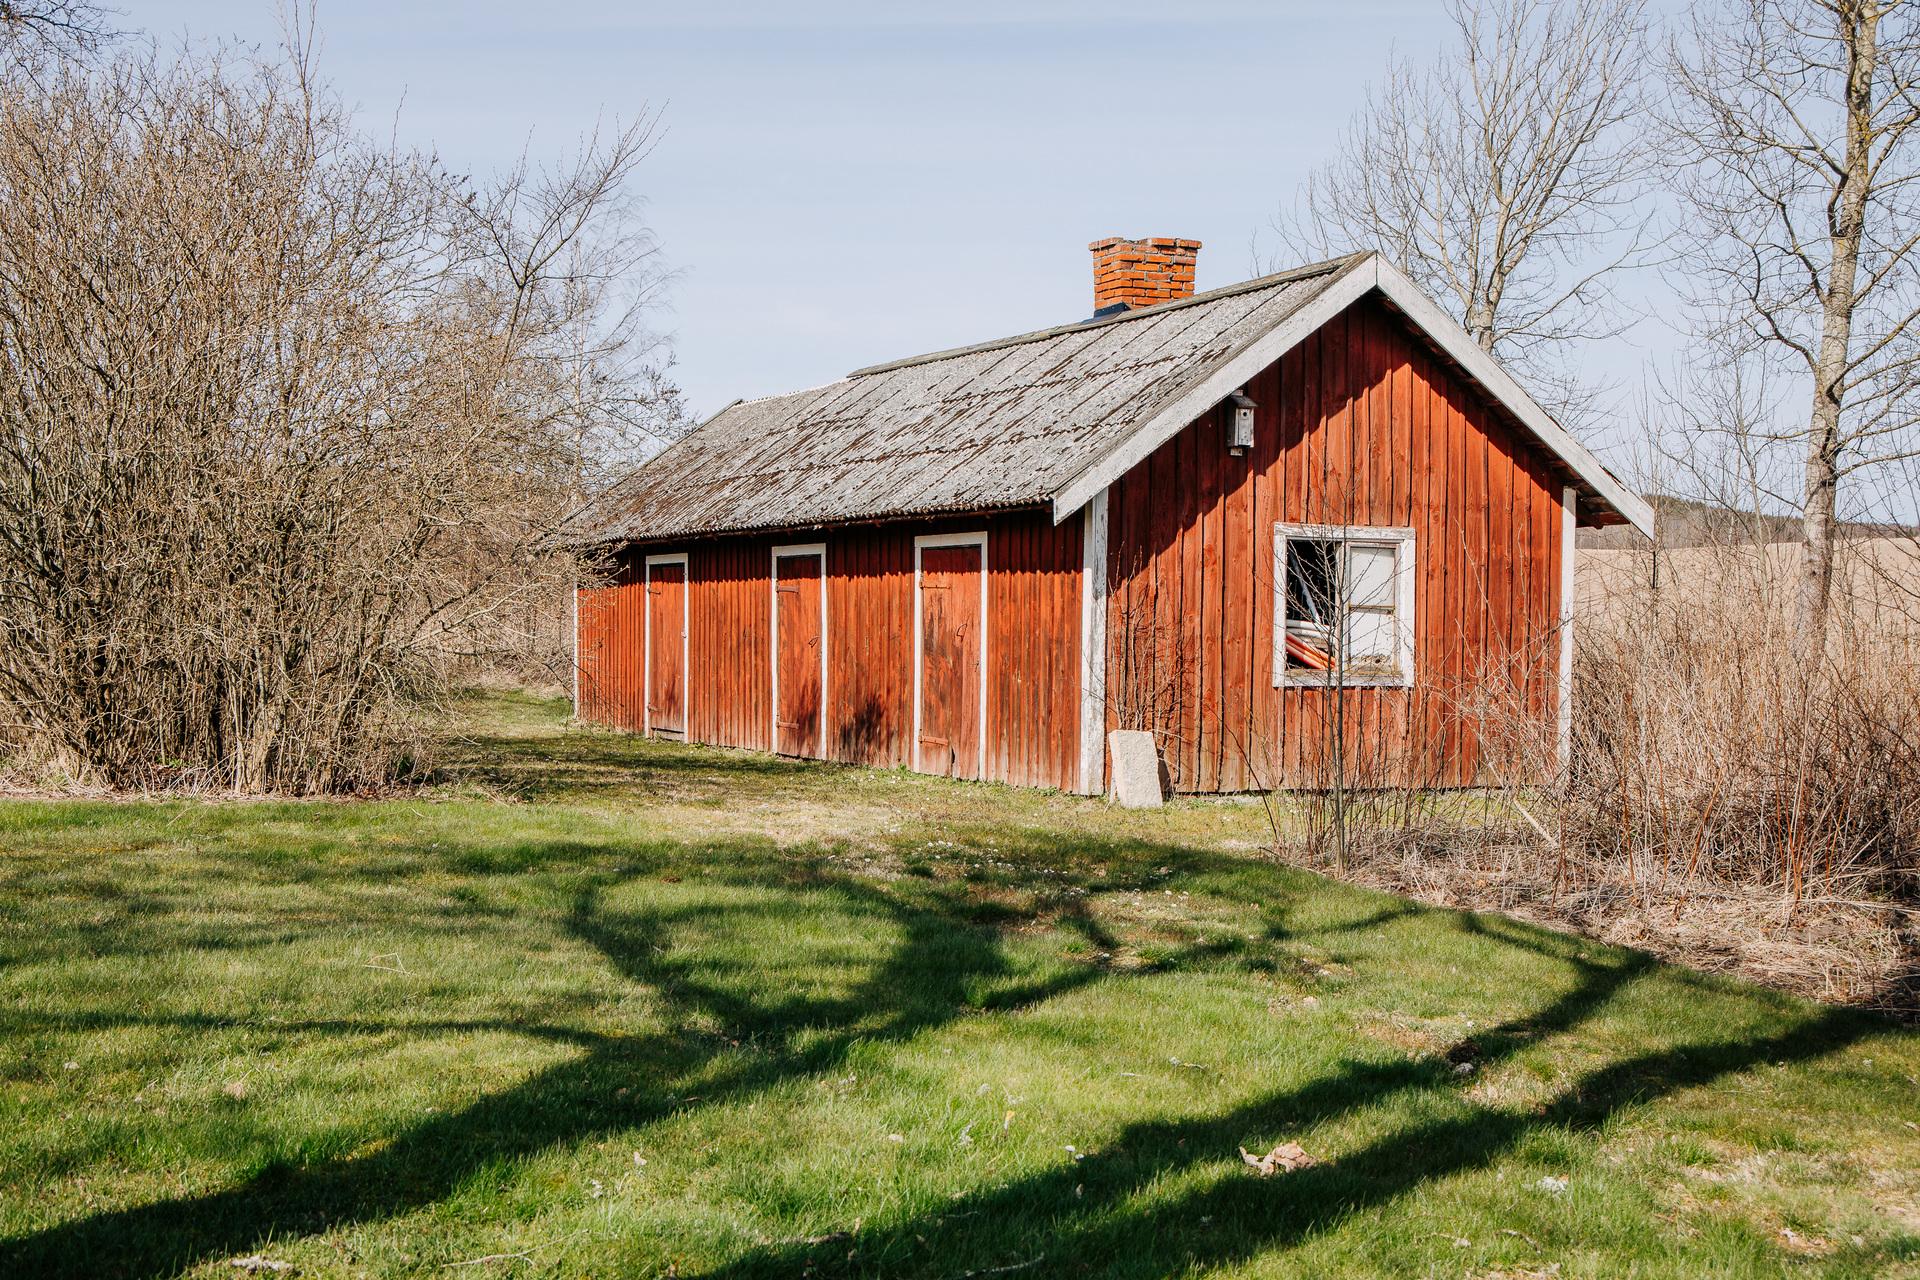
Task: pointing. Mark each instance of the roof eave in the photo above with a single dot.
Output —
(1366, 274)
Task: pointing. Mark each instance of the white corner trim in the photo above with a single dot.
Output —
(1569, 497)
(1405, 579)
(818, 550)
(576, 644)
(646, 641)
(1093, 645)
(1367, 274)
(1348, 286)
(921, 543)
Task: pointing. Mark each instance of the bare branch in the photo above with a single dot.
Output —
(1796, 149)
(1502, 177)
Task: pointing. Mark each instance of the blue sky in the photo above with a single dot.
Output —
(845, 183)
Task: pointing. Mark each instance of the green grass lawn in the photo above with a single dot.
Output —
(606, 1007)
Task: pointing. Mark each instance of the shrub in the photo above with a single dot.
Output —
(283, 415)
(1713, 742)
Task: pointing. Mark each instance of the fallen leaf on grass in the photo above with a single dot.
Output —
(1803, 1244)
(1285, 1158)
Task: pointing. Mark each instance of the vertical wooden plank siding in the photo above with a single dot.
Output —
(949, 719)
(667, 648)
(798, 653)
(1034, 586)
(1360, 424)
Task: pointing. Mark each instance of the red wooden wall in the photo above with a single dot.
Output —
(1033, 643)
(1360, 424)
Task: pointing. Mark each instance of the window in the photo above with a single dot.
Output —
(1344, 607)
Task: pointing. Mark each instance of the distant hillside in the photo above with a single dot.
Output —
(1683, 522)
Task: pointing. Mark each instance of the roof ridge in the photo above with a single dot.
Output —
(777, 395)
(1040, 335)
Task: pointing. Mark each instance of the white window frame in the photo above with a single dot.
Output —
(920, 544)
(1402, 539)
(646, 657)
(818, 549)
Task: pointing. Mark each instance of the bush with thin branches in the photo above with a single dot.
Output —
(284, 412)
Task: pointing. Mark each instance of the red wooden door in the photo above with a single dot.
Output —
(666, 649)
(950, 639)
(798, 652)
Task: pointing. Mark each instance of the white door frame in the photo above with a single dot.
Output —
(920, 544)
(818, 549)
(646, 656)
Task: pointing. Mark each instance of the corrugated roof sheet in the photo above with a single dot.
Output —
(999, 425)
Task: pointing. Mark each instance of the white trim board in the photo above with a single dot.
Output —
(921, 543)
(1093, 645)
(818, 550)
(646, 640)
(1569, 500)
(1366, 275)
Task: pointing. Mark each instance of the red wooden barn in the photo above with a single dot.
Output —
(1253, 521)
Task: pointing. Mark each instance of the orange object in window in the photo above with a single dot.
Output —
(1307, 655)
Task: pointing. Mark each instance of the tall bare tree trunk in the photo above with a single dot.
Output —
(1480, 323)
(1859, 22)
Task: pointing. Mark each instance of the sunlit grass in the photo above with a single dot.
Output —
(599, 1006)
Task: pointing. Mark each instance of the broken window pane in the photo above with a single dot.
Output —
(1312, 583)
(1342, 604)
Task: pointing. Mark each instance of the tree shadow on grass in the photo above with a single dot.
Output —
(1103, 1216)
(942, 963)
(948, 959)
(593, 762)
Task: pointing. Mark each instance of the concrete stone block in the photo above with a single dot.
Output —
(1136, 769)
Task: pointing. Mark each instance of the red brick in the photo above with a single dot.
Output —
(1142, 273)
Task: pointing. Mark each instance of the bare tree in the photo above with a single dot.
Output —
(285, 414)
(59, 28)
(1798, 137)
(1502, 177)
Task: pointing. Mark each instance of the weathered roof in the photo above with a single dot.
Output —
(1023, 421)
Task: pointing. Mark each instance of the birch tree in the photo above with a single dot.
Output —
(1796, 141)
(1503, 176)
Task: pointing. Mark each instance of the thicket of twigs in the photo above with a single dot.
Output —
(1713, 740)
(1733, 796)
(285, 413)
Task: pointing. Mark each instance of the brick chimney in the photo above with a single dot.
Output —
(1139, 273)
